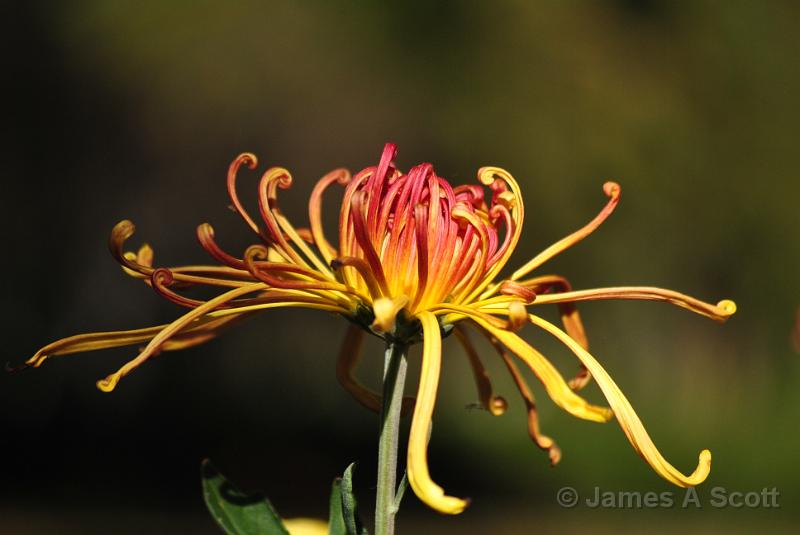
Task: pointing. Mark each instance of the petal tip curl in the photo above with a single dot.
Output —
(109, 383)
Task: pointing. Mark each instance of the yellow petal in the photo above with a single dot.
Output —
(628, 420)
(305, 526)
(418, 476)
(386, 310)
(558, 390)
(612, 191)
(719, 312)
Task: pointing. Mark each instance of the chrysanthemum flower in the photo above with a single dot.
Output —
(416, 260)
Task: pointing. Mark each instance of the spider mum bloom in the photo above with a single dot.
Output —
(417, 259)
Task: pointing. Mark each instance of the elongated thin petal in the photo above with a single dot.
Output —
(250, 161)
(202, 334)
(500, 179)
(570, 318)
(109, 383)
(349, 357)
(204, 326)
(496, 405)
(363, 269)
(558, 390)
(342, 176)
(612, 190)
(418, 476)
(543, 441)
(628, 420)
(719, 312)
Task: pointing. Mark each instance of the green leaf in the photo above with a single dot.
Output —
(235, 512)
(336, 513)
(352, 522)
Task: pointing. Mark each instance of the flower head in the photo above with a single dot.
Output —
(417, 259)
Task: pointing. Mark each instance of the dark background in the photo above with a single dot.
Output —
(115, 110)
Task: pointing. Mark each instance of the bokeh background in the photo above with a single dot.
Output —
(118, 110)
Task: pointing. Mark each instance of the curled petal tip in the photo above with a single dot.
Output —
(555, 455)
(498, 405)
(727, 307)
(451, 506)
(509, 287)
(249, 159)
(256, 252)
(124, 229)
(612, 189)
(162, 276)
(486, 175)
(701, 472)
(435, 498)
(109, 383)
(282, 177)
(343, 177)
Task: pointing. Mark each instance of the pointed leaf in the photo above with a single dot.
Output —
(336, 516)
(235, 512)
(350, 505)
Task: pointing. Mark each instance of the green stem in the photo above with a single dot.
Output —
(394, 378)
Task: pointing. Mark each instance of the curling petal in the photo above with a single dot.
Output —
(719, 312)
(612, 191)
(496, 405)
(628, 420)
(558, 390)
(418, 476)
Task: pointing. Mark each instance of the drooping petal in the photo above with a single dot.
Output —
(418, 475)
(570, 317)
(496, 405)
(628, 420)
(558, 390)
(349, 357)
(543, 441)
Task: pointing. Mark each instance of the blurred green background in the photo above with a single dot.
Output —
(133, 110)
